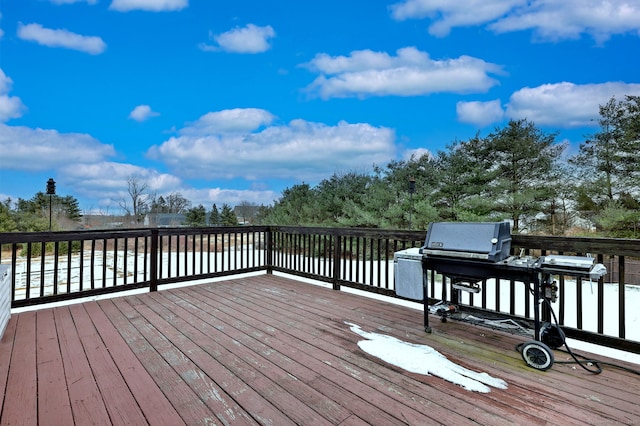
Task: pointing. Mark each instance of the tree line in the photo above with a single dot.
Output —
(34, 215)
(517, 173)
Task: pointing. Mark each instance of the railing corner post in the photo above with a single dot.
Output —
(155, 253)
(269, 248)
(336, 261)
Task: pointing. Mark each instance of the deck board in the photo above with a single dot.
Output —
(160, 359)
(272, 350)
(20, 398)
(153, 403)
(53, 399)
(87, 404)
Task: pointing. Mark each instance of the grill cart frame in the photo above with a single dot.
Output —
(468, 253)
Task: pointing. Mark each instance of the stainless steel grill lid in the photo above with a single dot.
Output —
(472, 240)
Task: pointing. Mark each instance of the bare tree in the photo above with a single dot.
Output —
(137, 189)
(177, 203)
(247, 210)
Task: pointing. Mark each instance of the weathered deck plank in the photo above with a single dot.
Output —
(159, 357)
(271, 350)
(20, 398)
(87, 403)
(153, 403)
(54, 406)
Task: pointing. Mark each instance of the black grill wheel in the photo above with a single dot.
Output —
(537, 355)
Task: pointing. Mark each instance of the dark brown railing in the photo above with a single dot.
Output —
(363, 259)
(49, 267)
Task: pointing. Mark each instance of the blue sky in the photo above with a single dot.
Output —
(226, 101)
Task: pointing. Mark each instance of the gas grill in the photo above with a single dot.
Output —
(469, 253)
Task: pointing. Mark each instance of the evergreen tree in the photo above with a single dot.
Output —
(464, 174)
(610, 172)
(35, 212)
(7, 223)
(295, 207)
(227, 216)
(196, 216)
(522, 158)
(331, 196)
(609, 157)
(214, 216)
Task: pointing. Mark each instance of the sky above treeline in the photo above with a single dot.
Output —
(228, 101)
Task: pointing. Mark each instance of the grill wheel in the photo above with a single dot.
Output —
(537, 355)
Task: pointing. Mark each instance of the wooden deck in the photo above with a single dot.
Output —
(271, 350)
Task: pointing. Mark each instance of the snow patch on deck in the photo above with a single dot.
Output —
(423, 359)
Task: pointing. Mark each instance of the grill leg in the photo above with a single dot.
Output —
(425, 297)
(536, 314)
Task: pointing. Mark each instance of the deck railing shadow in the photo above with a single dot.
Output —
(55, 266)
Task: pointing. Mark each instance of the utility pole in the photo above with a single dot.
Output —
(51, 191)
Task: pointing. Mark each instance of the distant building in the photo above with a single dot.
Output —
(246, 213)
(164, 220)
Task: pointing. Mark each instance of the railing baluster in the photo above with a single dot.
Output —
(28, 276)
(81, 272)
(43, 252)
(124, 260)
(56, 253)
(600, 300)
(104, 263)
(622, 331)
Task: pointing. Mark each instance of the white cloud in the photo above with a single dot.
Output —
(549, 19)
(113, 176)
(148, 5)
(301, 150)
(566, 104)
(563, 105)
(10, 106)
(480, 113)
(142, 113)
(410, 73)
(23, 148)
(447, 14)
(416, 154)
(107, 181)
(61, 38)
(569, 19)
(208, 196)
(235, 120)
(250, 39)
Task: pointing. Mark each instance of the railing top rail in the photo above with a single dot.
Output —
(353, 232)
(30, 237)
(596, 245)
(210, 230)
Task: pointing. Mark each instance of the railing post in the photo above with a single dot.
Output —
(153, 264)
(336, 261)
(269, 248)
